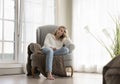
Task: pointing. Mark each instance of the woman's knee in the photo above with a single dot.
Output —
(65, 50)
(47, 50)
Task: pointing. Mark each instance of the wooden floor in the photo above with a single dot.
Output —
(78, 78)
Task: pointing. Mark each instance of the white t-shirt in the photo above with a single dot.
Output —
(51, 41)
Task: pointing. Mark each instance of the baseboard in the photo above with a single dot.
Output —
(11, 69)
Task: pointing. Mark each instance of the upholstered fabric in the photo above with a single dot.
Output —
(42, 31)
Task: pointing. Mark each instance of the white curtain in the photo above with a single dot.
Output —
(95, 15)
(34, 13)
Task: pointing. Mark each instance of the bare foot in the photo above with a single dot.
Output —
(50, 78)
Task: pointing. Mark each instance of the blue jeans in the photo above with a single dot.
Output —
(49, 56)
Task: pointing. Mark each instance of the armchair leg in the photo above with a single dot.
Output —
(70, 69)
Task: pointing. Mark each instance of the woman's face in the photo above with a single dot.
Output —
(60, 32)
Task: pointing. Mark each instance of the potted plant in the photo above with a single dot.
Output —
(114, 50)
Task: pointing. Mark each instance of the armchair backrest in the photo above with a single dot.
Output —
(42, 31)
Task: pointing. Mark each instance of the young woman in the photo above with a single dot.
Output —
(54, 44)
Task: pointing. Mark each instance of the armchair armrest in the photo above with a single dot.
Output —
(70, 46)
(68, 43)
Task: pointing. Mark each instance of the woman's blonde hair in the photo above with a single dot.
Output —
(65, 32)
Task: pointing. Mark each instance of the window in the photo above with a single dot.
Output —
(18, 22)
(7, 31)
(35, 13)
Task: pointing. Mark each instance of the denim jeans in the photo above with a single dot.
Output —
(50, 54)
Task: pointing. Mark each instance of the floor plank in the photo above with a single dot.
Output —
(78, 78)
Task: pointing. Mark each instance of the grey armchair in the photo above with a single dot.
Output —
(41, 33)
